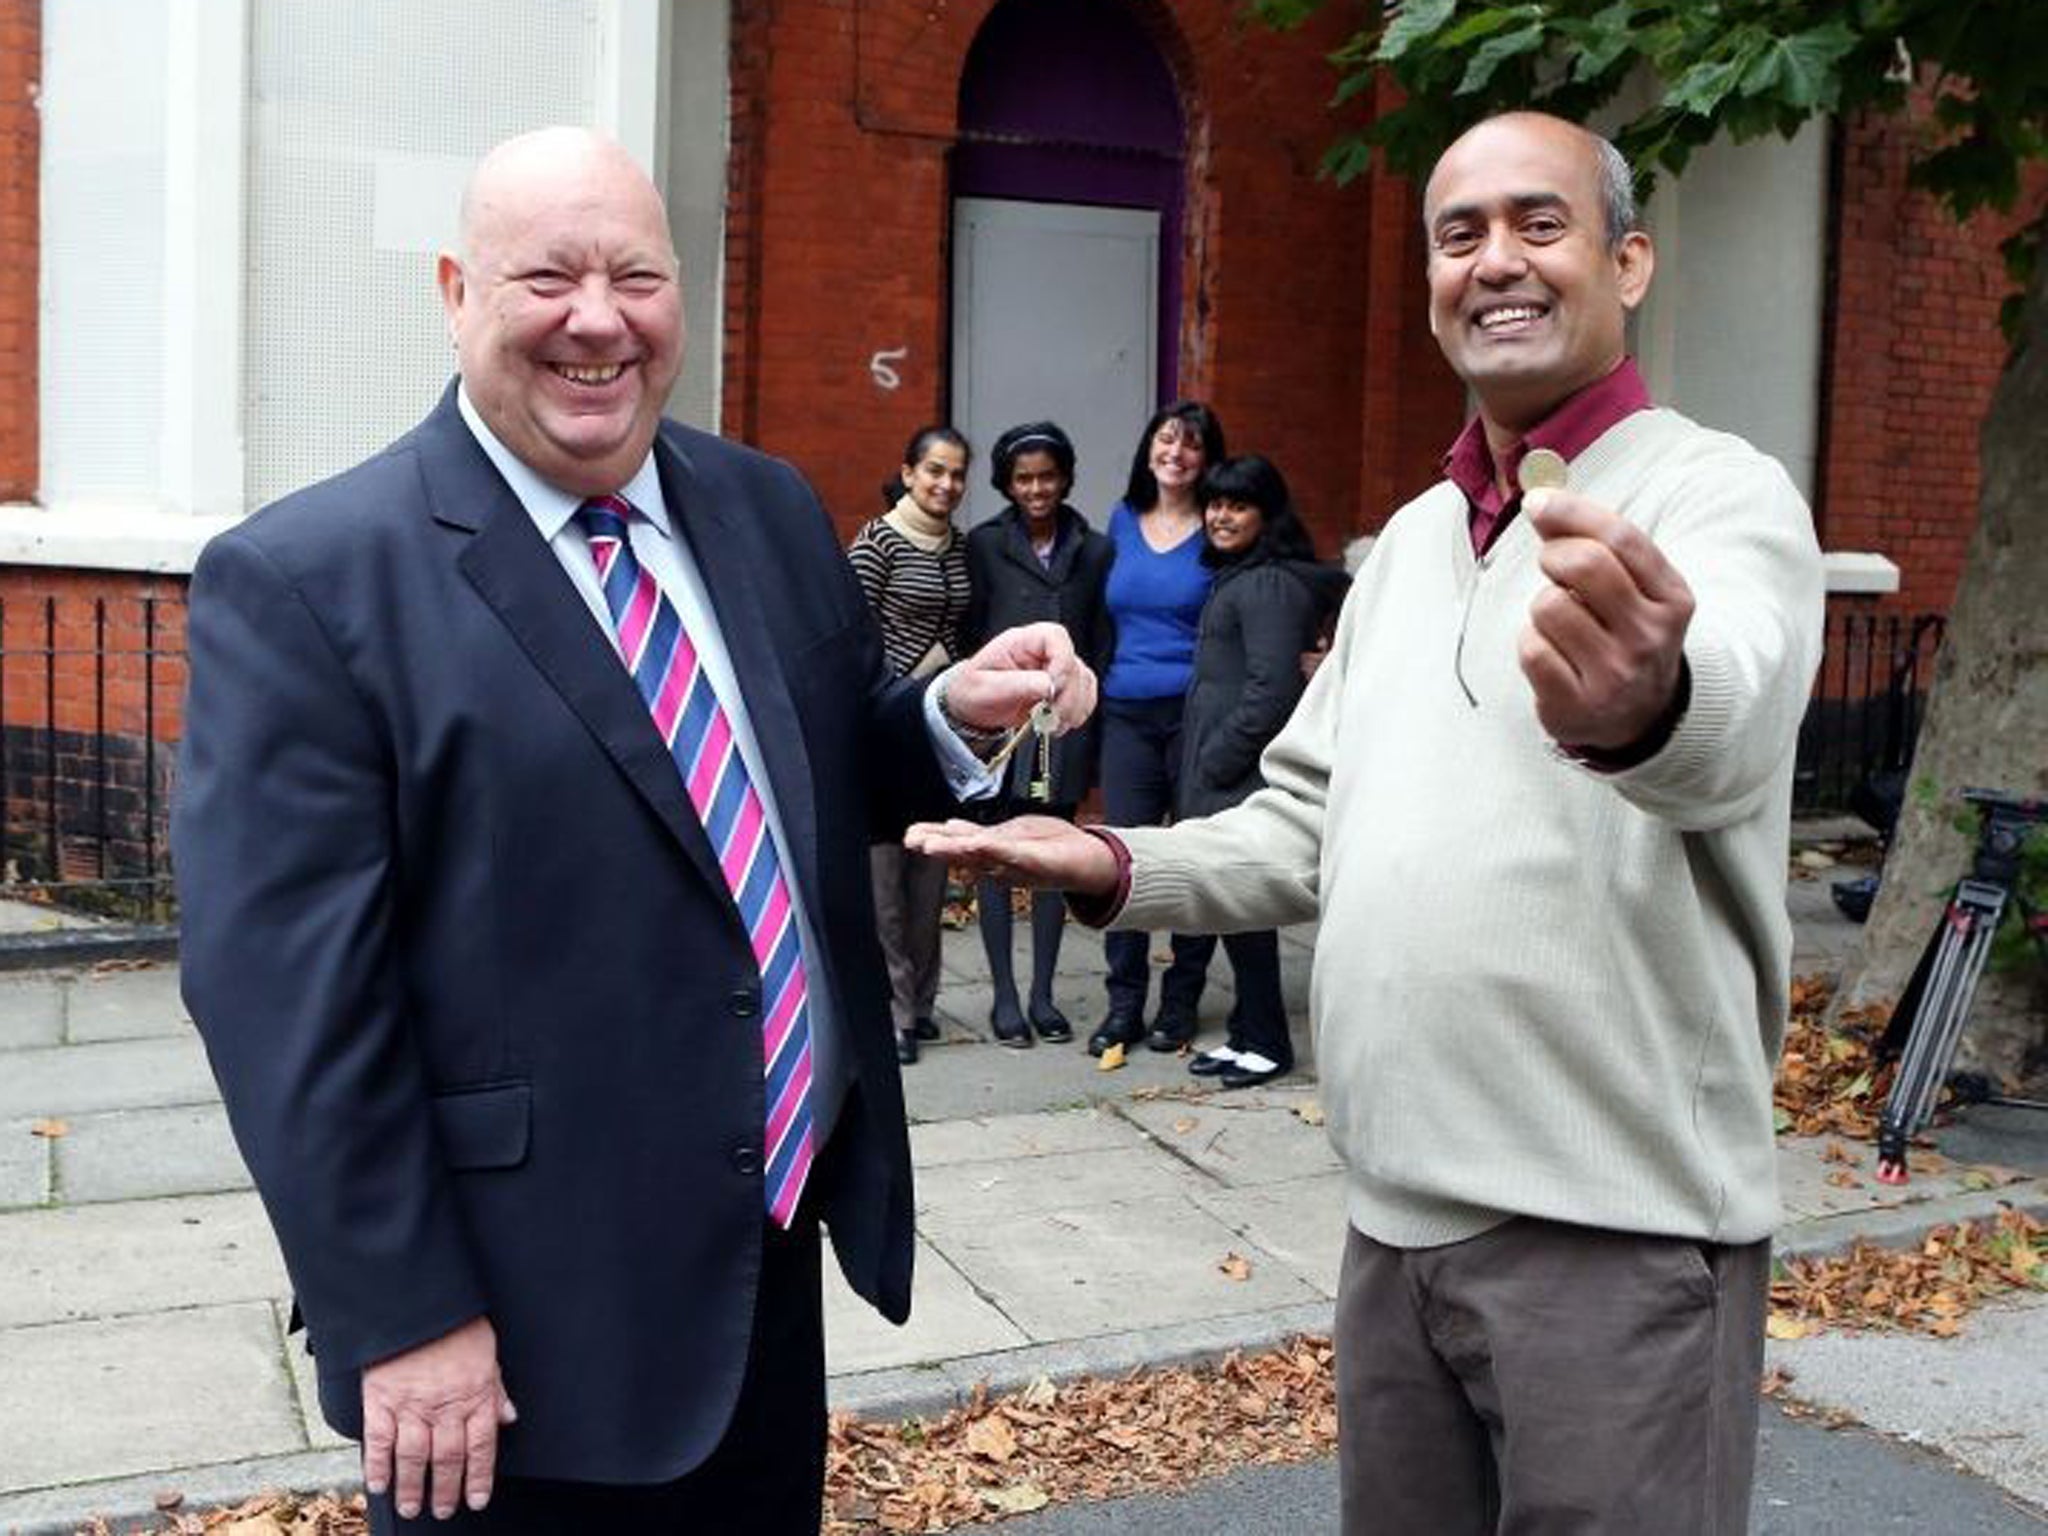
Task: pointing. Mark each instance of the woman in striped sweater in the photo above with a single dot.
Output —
(912, 565)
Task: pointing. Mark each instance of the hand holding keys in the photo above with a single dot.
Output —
(1042, 724)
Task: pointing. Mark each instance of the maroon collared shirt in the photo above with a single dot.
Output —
(1567, 431)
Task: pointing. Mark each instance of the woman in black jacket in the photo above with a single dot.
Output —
(1036, 560)
(1266, 607)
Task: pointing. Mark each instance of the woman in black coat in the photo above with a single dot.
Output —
(1266, 607)
(1036, 560)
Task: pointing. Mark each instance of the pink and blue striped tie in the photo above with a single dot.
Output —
(693, 723)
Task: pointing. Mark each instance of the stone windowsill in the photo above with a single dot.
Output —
(104, 538)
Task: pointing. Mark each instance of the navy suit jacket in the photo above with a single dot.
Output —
(481, 1007)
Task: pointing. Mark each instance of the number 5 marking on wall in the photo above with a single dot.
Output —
(878, 367)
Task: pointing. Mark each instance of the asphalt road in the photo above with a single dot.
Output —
(1810, 1482)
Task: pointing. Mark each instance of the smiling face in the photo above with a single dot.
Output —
(1233, 526)
(1037, 485)
(938, 478)
(1528, 297)
(1175, 456)
(565, 307)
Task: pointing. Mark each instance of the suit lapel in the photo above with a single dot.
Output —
(517, 575)
(709, 514)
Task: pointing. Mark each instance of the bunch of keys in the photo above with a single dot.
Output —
(1042, 723)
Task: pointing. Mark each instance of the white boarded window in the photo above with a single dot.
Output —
(101, 340)
(364, 119)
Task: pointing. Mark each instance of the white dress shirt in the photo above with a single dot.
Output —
(667, 558)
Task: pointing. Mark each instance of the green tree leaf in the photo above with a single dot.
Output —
(1702, 88)
(1487, 22)
(1496, 51)
(1803, 70)
(1415, 24)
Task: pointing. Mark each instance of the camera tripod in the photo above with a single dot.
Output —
(1928, 1021)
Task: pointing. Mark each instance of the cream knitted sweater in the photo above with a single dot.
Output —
(1538, 990)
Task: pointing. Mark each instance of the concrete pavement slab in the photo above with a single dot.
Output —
(136, 1154)
(1821, 936)
(31, 1010)
(126, 1004)
(24, 1166)
(120, 1396)
(973, 1082)
(1301, 1223)
(137, 1256)
(305, 1383)
(1981, 1398)
(34, 917)
(1000, 1138)
(1824, 1176)
(1254, 1136)
(127, 1074)
(947, 1319)
(993, 1193)
(1095, 1269)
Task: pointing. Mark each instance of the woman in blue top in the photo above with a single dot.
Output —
(1156, 590)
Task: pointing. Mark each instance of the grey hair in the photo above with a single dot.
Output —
(1617, 189)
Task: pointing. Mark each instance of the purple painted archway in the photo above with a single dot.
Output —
(1068, 101)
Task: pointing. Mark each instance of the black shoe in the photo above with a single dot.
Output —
(1213, 1063)
(906, 1047)
(1009, 1026)
(1052, 1025)
(1237, 1075)
(1169, 1033)
(1117, 1029)
(926, 1029)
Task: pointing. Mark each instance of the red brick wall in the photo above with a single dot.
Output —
(46, 609)
(1305, 338)
(88, 719)
(21, 68)
(1913, 354)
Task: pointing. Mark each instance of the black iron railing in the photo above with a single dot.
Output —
(1867, 703)
(90, 698)
(91, 693)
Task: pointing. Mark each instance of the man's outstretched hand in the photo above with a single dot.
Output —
(1000, 684)
(1029, 850)
(1606, 639)
(430, 1421)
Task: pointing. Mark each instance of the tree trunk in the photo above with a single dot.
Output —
(1987, 714)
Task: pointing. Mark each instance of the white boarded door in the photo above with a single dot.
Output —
(1055, 312)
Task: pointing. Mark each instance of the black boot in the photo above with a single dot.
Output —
(1048, 923)
(1005, 1018)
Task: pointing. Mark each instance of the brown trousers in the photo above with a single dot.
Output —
(1546, 1378)
(909, 891)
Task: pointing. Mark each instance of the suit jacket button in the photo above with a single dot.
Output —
(743, 1004)
(746, 1158)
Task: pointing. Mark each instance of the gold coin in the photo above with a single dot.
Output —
(1541, 469)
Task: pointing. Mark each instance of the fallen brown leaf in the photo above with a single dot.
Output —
(992, 1438)
(1017, 1499)
(50, 1130)
(1111, 1059)
(1185, 1124)
(1235, 1266)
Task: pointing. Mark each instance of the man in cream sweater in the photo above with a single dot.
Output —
(1538, 797)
